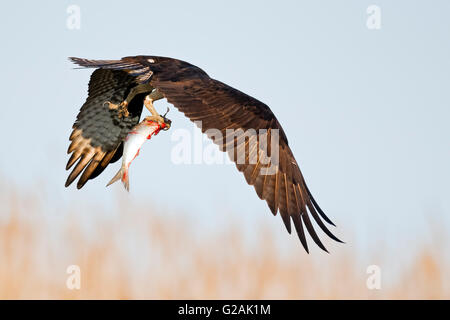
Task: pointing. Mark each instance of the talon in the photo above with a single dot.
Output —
(123, 111)
(162, 121)
(111, 105)
(167, 122)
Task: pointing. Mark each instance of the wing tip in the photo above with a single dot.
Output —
(75, 60)
(68, 181)
(287, 221)
(304, 244)
(318, 208)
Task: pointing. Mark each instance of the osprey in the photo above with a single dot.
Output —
(119, 89)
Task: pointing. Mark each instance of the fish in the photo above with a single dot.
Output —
(132, 145)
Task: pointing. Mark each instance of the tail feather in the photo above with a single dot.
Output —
(121, 175)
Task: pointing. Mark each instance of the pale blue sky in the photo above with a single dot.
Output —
(366, 111)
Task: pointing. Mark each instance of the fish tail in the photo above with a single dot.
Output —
(122, 174)
(115, 178)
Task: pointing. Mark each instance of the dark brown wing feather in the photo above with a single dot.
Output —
(219, 106)
(99, 130)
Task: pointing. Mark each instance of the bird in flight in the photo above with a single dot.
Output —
(238, 123)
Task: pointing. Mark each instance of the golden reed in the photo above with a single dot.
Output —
(140, 254)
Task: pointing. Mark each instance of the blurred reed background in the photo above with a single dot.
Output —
(145, 253)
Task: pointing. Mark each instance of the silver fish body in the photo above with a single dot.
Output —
(132, 144)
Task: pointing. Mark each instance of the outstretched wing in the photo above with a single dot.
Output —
(217, 106)
(101, 126)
